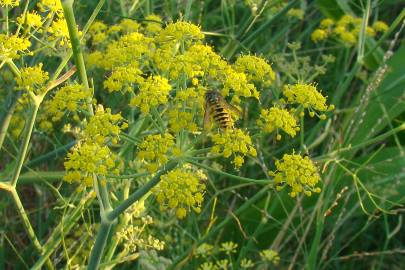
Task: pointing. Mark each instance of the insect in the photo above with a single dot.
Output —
(219, 109)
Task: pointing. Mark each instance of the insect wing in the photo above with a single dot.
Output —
(207, 117)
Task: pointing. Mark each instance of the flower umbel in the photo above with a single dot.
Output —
(233, 142)
(257, 69)
(269, 255)
(104, 125)
(90, 158)
(180, 189)
(155, 149)
(33, 79)
(297, 172)
(308, 96)
(277, 118)
(152, 92)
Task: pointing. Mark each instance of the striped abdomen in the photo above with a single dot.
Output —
(221, 115)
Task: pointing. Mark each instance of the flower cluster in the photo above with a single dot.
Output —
(153, 24)
(346, 29)
(31, 19)
(9, 3)
(135, 236)
(155, 150)
(71, 98)
(308, 96)
(277, 118)
(90, 158)
(12, 46)
(180, 32)
(128, 50)
(213, 257)
(153, 92)
(269, 255)
(256, 68)
(104, 126)
(179, 120)
(233, 142)
(298, 172)
(181, 190)
(33, 79)
(122, 78)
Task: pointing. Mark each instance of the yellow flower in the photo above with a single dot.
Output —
(180, 32)
(296, 13)
(129, 26)
(90, 158)
(9, 3)
(104, 125)
(348, 37)
(51, 5)
(153, 24)
(204, 250)
(95, 59)
(136, 235)
(155, 149)
(256, 68)
(370, 31)
(345, 20)
(277, 118)
(246, 263)
(228, 247)
(11, 46)
(237, 81)
(97, 32)
(153, 92)
(122, 78)
(31, 19)
(33, 79)
(380, 26)
(319, 35)
(270, 255)
(233, 142)
(179, 120)
(59, 32)
(307, 95)
(180, 189)
(297, 172)
(326, 23)
(128, 49)
(71, 98)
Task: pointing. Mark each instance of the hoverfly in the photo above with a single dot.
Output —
(219, 109)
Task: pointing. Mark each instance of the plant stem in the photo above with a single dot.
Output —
(6, 121)
(240, 178)
(141, 191)
(28, 226)
(99, 246)
(24, 146)
(108, 217)
(67, 6)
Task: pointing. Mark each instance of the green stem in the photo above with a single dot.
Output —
(24, 146)
(108, 217)
(6, 121)
(28, 226)
(240, 178)
(141, 192)
(99, 246)
(67, 6)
